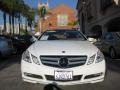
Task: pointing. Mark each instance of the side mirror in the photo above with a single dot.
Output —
(92, 40)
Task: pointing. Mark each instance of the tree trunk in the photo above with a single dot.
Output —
(4, 16)
(19, 23)
(10, 24)
(26, 25)
(13, 24)
(30, 24)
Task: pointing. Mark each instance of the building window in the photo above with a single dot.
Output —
(89, 11)
(62, 19)
(105, 4)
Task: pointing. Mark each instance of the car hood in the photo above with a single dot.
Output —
(62, 48)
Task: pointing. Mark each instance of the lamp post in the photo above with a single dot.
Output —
(42, 13)
(83, 5)
(83, 16)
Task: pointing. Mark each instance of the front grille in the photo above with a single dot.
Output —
(63, 61)
(75, 78)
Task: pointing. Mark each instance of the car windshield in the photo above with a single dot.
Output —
(62, 35)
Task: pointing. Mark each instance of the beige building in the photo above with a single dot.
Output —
(59, 17)
(98, 15)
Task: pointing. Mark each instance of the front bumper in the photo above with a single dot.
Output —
(86, 74)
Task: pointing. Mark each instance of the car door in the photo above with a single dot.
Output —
(106, 41)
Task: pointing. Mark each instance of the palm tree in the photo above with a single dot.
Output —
(3, 7)
(14, 12)
(16, 8)
(41, 13)
(19, 12)
(29, 15)
(25, 10)
(8, 7)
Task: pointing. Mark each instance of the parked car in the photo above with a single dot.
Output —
(110, 43)
(21, 43)
(6, 47)
(26, 39)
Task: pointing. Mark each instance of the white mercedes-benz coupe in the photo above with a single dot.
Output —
(64, 57)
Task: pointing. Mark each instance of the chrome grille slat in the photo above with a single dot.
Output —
(49, 58)
(54, 63)
(76, 60)
(80, 58)
(73, 61)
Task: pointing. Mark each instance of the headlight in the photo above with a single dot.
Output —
(100, 57)
(91, 60)
(35, 59)
(26, 57)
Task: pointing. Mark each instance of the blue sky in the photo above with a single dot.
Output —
(52, 3)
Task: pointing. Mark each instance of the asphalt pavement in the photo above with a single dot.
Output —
(10, 77)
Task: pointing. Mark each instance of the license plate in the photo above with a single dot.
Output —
(63, 75)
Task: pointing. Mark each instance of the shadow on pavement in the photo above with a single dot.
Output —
(8, 61)
(113, 64)
(52, 87)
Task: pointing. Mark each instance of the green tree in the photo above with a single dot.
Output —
(73, 23)
(29, 15)
(4, 8)
(11, 10)
(42, 12)
(19, 9)
(10, 7)
(16, 8)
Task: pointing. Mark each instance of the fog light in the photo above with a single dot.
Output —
(33, 75)
(93, 75)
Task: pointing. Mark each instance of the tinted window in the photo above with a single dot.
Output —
(108, 36)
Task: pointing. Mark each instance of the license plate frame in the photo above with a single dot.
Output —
(63, 75)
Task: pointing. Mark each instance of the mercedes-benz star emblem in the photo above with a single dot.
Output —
(63, 52)
(63, 62)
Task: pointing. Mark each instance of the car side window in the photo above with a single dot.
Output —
(108, 36)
